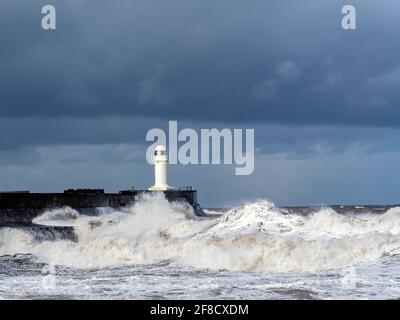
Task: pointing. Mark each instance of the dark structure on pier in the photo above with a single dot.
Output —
(21, 207)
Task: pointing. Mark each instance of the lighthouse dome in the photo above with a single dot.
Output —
(160, 150)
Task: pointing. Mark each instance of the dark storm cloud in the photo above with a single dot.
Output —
(76, 103)
(28, 132)
(229, 61)
(21, 135)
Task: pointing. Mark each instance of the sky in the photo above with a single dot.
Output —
(76, 102)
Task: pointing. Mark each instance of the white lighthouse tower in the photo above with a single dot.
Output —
(160, 169)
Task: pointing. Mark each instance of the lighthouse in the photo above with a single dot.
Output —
(160, 169)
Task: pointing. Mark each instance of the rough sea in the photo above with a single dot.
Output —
(159, 250)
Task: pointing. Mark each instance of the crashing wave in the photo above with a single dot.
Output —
(255, 237)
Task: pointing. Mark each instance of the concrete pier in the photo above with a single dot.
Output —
(22, 207)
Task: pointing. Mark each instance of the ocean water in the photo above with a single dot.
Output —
(159, 250)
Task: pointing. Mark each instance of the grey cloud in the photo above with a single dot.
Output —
(204, 61)
(287, 70)
(298, 141)
(151, 91)
(265, 89)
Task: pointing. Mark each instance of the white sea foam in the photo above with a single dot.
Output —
(57, 217)
(255, 237)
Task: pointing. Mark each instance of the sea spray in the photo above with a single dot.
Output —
(57, 217)
(257, 237)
